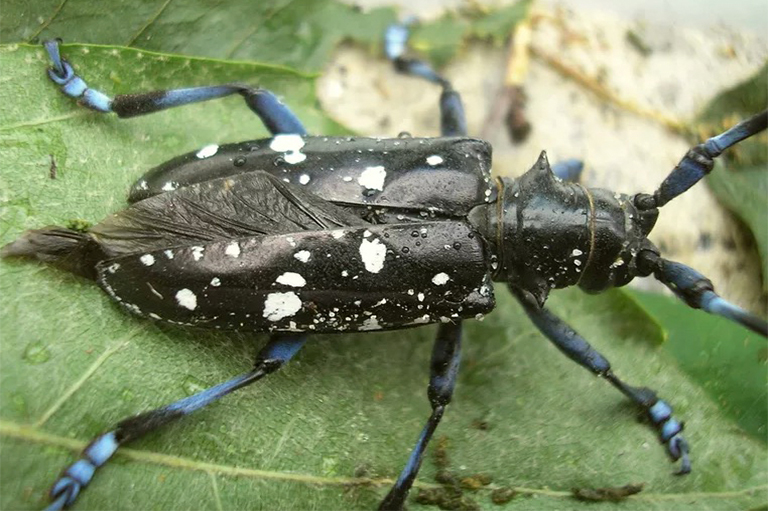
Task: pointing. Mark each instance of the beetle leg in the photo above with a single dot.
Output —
(75, 477)
(446, 354)
(277, 118)
(569, 170)
(575, 347)
(698, 292)
(452, 119)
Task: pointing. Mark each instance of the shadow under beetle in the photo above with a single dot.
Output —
(298, 234)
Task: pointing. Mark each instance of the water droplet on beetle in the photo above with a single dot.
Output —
(239, 161)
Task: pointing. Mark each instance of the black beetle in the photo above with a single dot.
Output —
(299, 235)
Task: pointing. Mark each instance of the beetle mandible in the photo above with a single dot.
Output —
(399, 233)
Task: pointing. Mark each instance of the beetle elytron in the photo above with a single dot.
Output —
(296, 235)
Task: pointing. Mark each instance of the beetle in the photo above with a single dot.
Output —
(297, 234)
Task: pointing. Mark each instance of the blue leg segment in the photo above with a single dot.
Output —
(453, 121)
(66, 489)
(569, 170)
(276, 117)
(446, 355)
(575, 347)
(699, 162)
(698, 292)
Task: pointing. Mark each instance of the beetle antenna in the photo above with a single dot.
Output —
(698, 292)
(699, 161)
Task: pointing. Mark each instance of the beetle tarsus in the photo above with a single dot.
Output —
(65, 490)
(277, 118)
(575, 347)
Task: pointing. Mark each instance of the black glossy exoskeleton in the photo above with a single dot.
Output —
(296, 235)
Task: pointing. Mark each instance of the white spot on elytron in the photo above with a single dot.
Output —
(215, 282)
(197, 253)
(168, 254)
(371, 323)
(577, 262)
(380, 302)
(302, 255)
(143, 185)
(421, 320)
(154, 291)
(233, 249)
(295, 157)
(154, 316)
(440, 279)
(366, 234)
(132, 307)
(576, 252)
(479, 316)
(304, 179)
(207, 151)
(337, 234)
(112, 268)
(434, 160)
(411, 292)
(345, 273)
(373, 178)
(290, 278)
(373, 254)
(291, 145)
(358, 302)
(293, 328)
(290, 241)
(170, 186)
(186, 299)
(147, 259)
(420, 296)
(347, 178)
(286, 142)
(281, 305)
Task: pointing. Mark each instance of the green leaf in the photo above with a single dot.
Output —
(73, 364)
(442, 39)
(728, 361)
(300, 34)
(740, 180)
(744, 192)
